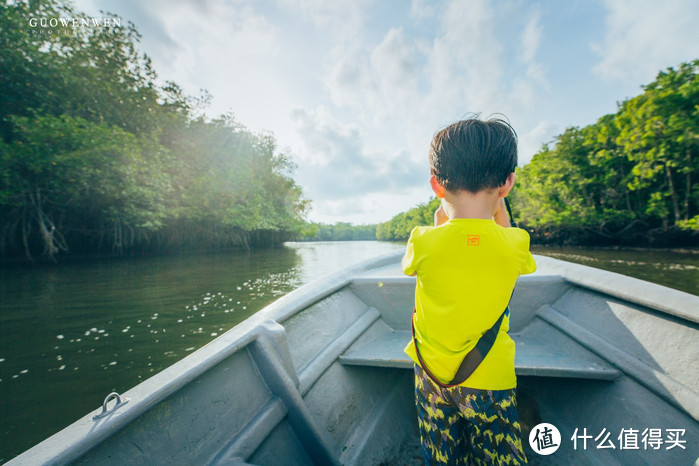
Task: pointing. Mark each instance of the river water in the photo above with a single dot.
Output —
(72, 333)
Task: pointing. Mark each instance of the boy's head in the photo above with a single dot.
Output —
(473, 155)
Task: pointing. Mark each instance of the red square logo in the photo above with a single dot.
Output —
(473, 240)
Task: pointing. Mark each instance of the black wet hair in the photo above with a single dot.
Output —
(474, 154)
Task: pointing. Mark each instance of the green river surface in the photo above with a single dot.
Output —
(72, 333)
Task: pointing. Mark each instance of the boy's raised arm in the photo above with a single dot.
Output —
(440, 216)
(501, 217)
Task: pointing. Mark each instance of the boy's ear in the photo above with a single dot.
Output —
(436, 187)
(505, 189)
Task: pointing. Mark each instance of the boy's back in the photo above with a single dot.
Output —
(466, 268)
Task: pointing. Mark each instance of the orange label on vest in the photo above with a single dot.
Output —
(473, 240)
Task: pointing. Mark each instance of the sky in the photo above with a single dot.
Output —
(354, 90)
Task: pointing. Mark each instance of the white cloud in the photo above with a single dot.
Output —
(337, 163)
(526, 87)
(421, 9)
(349, 81)
(645, 36)
(337, 169)
(395, 64)
(368, 208)
(378, 83)
(531, 37)
(402, 89)
(327, 142)
(422, 83)
(341, 18)
(238, 48)
(465, 60)
(531, 142)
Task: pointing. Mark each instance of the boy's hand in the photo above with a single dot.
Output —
(440, 216)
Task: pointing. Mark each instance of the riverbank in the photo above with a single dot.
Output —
(632, 235)
(254, 240)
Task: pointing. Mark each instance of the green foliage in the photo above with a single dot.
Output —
(690, 225)
(400, 226)
(340, 231)
(632, 168)
(77, 164)
(96, 157)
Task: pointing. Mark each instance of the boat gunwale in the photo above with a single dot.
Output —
(660, 298)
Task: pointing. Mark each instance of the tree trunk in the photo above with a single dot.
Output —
(26, 229)
(688, 187)
(626, 191)
(673, 194)
(628, 201)
(52, 238)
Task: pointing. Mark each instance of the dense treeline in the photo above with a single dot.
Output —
(97, 157)
(628, 179)
(340, 231)
(400, 226)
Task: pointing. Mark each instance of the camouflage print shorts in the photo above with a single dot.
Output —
(461, 425)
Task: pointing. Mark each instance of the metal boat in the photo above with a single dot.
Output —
(320, 377)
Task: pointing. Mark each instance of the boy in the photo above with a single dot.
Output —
(466, 267)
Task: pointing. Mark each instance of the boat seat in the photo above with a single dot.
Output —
(556, 355)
